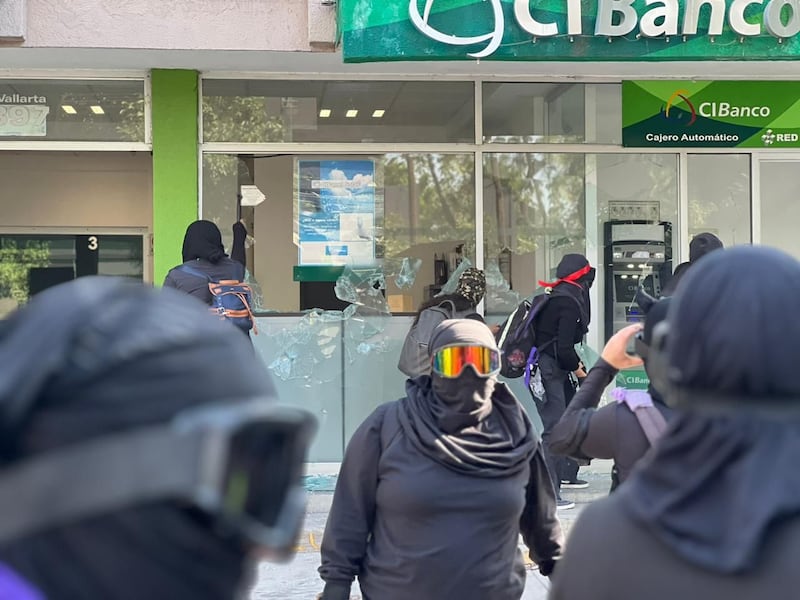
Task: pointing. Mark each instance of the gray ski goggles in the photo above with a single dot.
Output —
(241, 463)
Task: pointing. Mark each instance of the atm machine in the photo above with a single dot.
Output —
(637, 254)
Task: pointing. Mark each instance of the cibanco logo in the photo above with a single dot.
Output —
(492, 38)
(679, 96)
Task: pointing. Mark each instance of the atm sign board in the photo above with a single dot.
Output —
(711, 114)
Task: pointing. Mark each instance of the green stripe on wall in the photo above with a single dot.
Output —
(175, 139)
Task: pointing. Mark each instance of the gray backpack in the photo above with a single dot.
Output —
(414, 359)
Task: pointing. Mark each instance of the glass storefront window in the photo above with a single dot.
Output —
(552, 113)
(342, 363)
(70, 110)
(534, 207)
(719, 196)
(260, 111)
(780, 185)
(424, 209)
(31, 263)
(539, 207)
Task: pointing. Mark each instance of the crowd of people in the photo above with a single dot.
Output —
(144, 454)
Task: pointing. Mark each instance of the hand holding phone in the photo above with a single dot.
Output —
(616, 352)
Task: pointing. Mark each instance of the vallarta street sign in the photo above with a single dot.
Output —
(591, 30)
(711, 114)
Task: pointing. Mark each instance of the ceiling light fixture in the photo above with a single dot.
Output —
(352, 113)
(98, 110)
(69, 109)
(378, 113)
(324, 113)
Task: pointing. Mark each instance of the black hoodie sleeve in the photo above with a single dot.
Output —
(539, 525)
(350, 520)
(237, 247)
(569, 434)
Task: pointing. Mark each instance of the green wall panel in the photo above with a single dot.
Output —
(175, 160)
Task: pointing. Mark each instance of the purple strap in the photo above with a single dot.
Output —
(13, 587)
(633, 398)
(528, 366)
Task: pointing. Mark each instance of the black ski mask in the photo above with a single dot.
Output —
(468, 397)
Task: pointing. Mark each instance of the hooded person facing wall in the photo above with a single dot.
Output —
(203, 252)
(436, 488)
(713, 512)
(92, 362)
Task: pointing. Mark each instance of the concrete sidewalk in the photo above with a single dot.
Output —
(298, 580)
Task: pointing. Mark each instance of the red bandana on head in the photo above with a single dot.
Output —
(572, 278)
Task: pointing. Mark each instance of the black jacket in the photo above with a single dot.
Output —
(612, 431)
(560, 321)
(408, 527)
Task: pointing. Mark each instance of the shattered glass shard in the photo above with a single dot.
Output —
(452, 283)
(499, 295)
(406, 274)
(364, 332)
(363, 287)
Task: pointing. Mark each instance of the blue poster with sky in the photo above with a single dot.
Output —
(336, 212)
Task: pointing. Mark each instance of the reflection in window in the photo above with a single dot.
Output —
(102, 110)
(31, 263)
(261, 111)
(533, 215)
(424, 209)
(551, 113)
(719, 196)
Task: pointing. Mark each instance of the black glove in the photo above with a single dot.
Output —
(335, 591)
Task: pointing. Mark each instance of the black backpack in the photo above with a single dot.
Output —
(516, 338)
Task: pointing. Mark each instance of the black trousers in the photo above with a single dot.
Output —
(558, 391)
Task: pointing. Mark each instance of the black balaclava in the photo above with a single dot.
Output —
(725, 475)
(470, 424)
(702, 244)
(203, 240)
(575, 278)
(100, 355)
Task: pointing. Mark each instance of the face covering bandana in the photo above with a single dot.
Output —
(572, 278)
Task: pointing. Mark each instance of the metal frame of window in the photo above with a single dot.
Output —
(85, 146)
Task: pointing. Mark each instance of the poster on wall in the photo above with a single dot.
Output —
(335, 220)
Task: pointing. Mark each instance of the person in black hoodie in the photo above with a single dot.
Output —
(203, 251)
(713, 512)
(435, 488)
(562, 323)
(101, 357)
(701, 245)
(613, 431)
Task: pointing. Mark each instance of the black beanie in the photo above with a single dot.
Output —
(702, 244)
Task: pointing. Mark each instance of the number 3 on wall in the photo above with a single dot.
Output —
(93, 242)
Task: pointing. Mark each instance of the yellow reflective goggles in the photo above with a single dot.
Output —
(450, 361)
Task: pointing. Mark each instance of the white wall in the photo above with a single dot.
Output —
(180, 24)
(76, 189)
